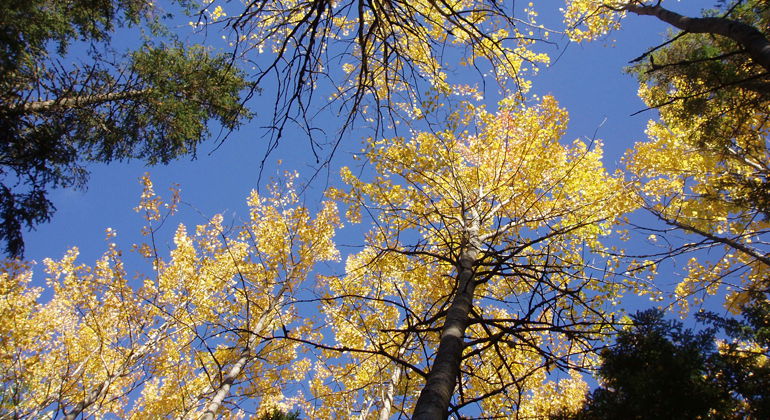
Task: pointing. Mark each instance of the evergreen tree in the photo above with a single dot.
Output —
(60, 110)
(659, 370)
(656, 370)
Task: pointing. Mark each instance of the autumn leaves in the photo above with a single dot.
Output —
(488, 269)
(479, 235)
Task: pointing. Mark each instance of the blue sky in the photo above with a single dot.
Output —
(587, 79)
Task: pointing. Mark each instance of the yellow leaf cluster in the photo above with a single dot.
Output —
(196, 333)
(509, 172)
(704, 171)
(587, 20)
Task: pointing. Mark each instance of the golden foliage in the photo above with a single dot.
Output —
(101, 345)
(539, 206)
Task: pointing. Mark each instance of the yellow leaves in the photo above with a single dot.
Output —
(291, 231)
(736, 301)
(217, 13)
(513, 163)
(705, 278)
(209, 303)
(682, 180)
(79, 333)
(21, 329)
(254, 274)
(513, 168)
(591, 19)
(556, 398)
(153, 205)
(110, 233)
(704, 166)
(323, 246)
(149, 203)
(502, 180)
(394, 51)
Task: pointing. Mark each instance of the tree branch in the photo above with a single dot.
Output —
(754, 41)
(79, 101)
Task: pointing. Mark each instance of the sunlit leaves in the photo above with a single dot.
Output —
(704, 169)
(591, 19)
(536, 205)
(379, 58)
(207, 313)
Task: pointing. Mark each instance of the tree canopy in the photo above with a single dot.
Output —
(705, 167)
(198, 329)
(487, 261)
(476, 252)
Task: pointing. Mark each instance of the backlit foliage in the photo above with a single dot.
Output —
(705, 168)
(535, 208)
(389, 52)
(485, 257)
(192, 341)
(590, 19)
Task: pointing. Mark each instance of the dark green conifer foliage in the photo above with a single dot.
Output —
(60, 110)
(659, 370)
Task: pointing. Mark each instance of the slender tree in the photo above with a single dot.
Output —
(193, 342)
(481, 274)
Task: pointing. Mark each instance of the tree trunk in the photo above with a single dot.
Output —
(749, 37)
(92, 396)
(390, 392)
(387, 400)
(227, 382)
(246, 355)
(223, 390)
(433, 403)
